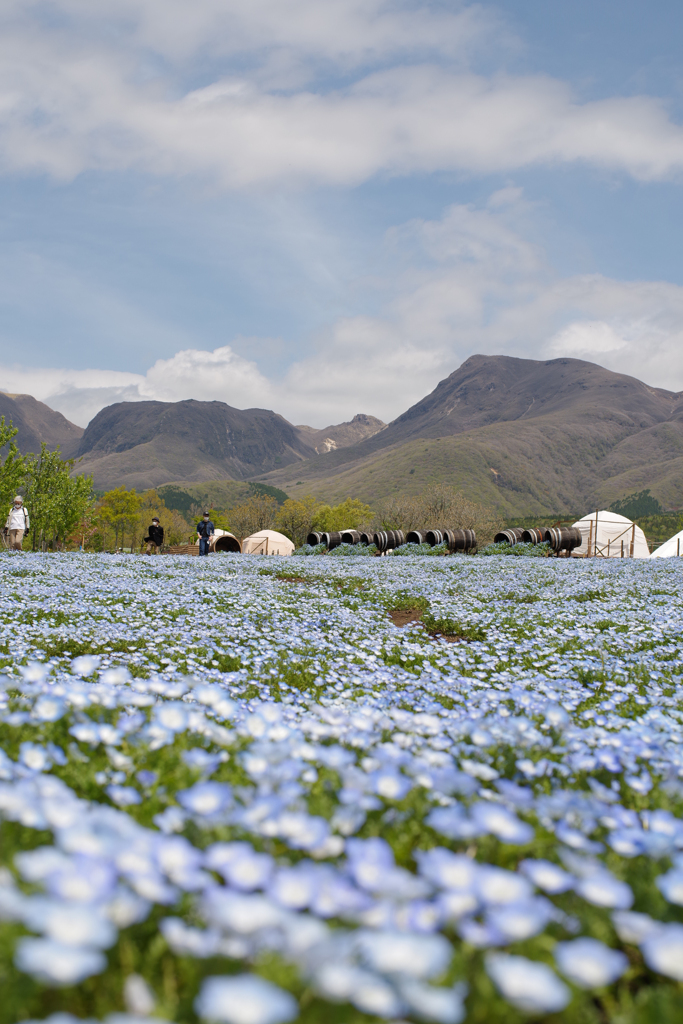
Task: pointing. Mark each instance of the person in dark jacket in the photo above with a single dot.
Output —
(205, 531)
(155, 538)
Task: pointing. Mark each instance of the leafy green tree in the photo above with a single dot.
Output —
(120, 509)
(56, 500)
(74, 502)
(349, 515)
(295, 518)
(12, 468)
(640, 503)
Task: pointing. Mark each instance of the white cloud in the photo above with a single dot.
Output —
(583, 338)
(470, 282)
(275, 34)
(221, 376)
(105, 86)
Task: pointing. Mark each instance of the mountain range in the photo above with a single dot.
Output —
(147, 444)
(526, 436)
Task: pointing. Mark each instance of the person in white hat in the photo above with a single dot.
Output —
(17, 524)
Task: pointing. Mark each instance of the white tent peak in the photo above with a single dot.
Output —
(267, 542)
(609, 535)
(671, 547)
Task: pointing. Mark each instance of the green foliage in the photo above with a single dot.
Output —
(542, 550)
(421, 549)
(589, 595)
(353, 550)
(658, 528)
(219, 519)
(310, 549)
(57, 502)
(186, 498)
(402, 601)
(640, 503)
(176, 498)
(295, 518)
(120, 509)
(13, 467)
(349, 515)
(273, 492)
(446, 626)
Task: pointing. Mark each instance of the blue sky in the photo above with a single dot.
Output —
(324, 206)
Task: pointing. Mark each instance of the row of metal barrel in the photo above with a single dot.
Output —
(560, 538)
(387, 540)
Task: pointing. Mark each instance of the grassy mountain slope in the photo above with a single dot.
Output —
(538, 467)
(523, 435)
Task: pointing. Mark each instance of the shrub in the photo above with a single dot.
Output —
(421, 549)
(310, 549)
(350, 515)
(353, 550)
(530, 550)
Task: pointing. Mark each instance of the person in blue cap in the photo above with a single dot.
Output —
(205, 531)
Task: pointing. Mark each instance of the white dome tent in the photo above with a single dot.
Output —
(670, 548)
(267, 542)
(608, 535)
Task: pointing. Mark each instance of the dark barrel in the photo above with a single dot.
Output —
(533, 536)
(460, 540)
(563, 538)
(315, 538)
(332, 540)
(388, 539)
(434, 537)
(226, 543)
(351, 537)
(367, 537)
(512, 535)
(416, 537)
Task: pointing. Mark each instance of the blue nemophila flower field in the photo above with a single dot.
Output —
(335, 790)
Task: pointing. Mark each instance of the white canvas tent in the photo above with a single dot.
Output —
(671, 547)
(608, 535)
(267, 542)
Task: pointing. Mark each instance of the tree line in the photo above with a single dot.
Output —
(66, 512)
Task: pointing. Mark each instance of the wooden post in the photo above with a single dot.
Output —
(633, 539)
(622, 549)
(608, 544)
(678, 547)
(595, 538)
